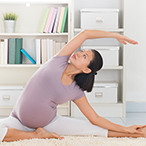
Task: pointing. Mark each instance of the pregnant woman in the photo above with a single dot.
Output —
(56, 82)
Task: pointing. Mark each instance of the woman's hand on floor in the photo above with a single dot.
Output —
(124, 40)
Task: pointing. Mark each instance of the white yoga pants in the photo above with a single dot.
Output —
(60, 125)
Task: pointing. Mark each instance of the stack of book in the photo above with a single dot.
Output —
(55, 20)
(47, 48)
(11, 51)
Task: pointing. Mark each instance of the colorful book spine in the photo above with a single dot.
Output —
(61, 19)
(28, 56)
(18, 50)
(64, 19)
(49, 19)
(57, 20)
(12, 51)
(44, 20)
(52, 22)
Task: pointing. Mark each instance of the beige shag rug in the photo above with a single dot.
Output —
(79, 141)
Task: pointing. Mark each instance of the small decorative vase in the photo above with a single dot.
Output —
(9, 26)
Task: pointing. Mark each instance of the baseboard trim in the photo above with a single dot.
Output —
(136, 107)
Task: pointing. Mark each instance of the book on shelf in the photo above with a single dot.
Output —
(6, 52)
(61, 19)
(53, 20)
(28, 56)
(46, 49)
(38, 51)
(50, 48)
(12, 51)
(18, 50)
(64, 19)
(49, 19)
(44, 20)
(58, 47)
(2, 51)
(54, 47)
(56, 20)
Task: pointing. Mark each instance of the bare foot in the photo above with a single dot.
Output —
(41, 133)
(143, 130)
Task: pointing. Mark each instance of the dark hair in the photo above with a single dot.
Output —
(85, 81)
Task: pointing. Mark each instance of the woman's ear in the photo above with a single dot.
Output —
(87, 70)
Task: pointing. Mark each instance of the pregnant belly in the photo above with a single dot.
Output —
(35, 116)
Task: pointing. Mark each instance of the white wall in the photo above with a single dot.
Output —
(135, 27)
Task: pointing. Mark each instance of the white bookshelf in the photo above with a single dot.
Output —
(20, 65)
(113, 68)
(32, 34)
(108, 73)
(30, 17)
(110, 30)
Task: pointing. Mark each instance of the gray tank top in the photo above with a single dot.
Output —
(36, 106)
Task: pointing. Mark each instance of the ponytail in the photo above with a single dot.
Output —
(85, 81)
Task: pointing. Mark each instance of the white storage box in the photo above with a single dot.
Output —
(9, 95)
(110, 54)
(99, 18)
(103, 93)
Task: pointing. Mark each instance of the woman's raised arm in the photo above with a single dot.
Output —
(94, 34)
(75, 42)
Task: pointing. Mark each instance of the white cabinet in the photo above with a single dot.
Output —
(103, 93)
(9, 95)
(110, 54)
(28, 25)
(99, 18)
(114, 68)
(8, 98)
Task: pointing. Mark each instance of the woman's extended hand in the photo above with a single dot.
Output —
(124, 40)
(135, 129)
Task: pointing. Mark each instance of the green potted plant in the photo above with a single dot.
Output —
(10, 22)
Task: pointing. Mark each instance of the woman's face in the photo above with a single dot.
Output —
(81, 60)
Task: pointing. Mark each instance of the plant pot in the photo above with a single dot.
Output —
(9, 26)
